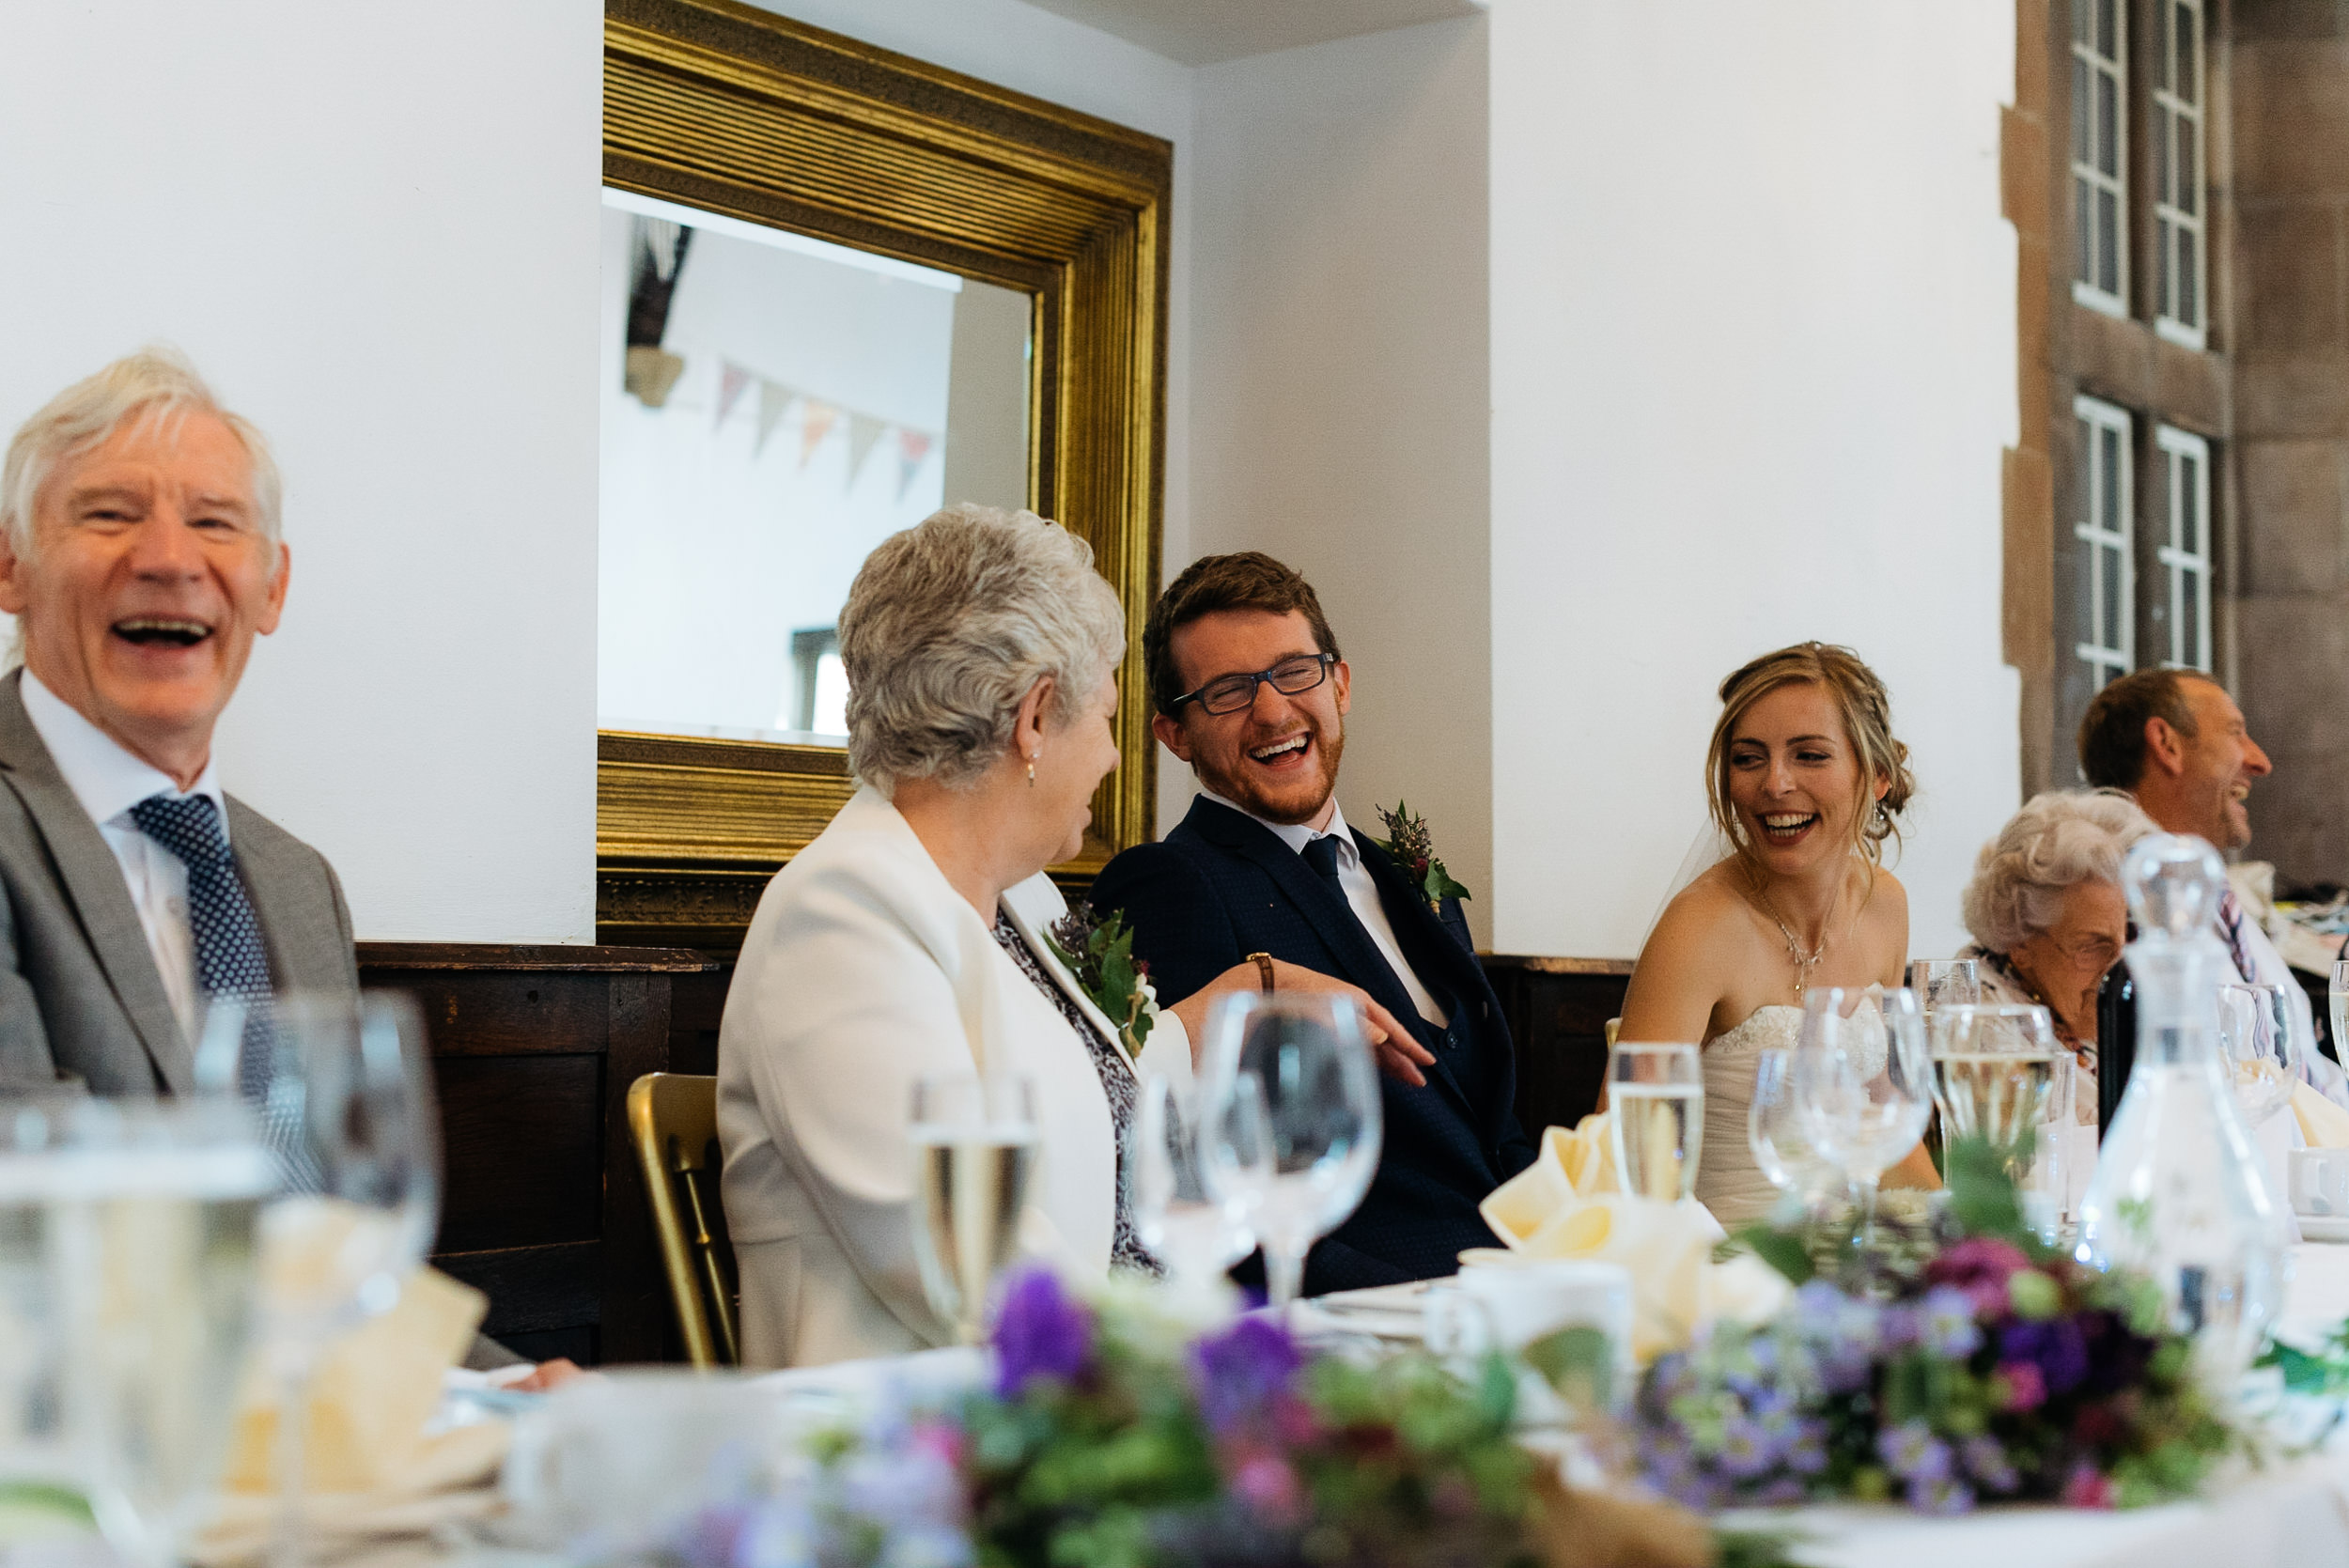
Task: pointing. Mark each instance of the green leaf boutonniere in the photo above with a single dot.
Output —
(1100, 953)
(1408, 842)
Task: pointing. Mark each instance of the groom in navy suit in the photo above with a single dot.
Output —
(1249, 689)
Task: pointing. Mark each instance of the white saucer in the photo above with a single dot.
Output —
(2323, 1227)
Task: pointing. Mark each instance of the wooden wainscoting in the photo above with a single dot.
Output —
(534, 1049)
(1557, 1010)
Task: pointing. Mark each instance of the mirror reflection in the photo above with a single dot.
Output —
(774, 407)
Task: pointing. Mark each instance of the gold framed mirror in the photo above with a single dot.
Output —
(773, 127)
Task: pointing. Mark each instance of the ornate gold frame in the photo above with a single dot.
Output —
(735, 110)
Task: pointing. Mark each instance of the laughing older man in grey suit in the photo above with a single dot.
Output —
(139, 552)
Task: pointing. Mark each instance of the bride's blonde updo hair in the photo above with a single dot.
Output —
(1866, 708)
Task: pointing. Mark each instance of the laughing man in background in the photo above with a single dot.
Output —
(1249, 689)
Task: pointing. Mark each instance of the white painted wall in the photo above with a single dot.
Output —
(1752, 365)
(375, 231)
(1338, 398)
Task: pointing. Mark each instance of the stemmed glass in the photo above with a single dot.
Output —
(2257, 1044)
(1944, 983)
(1290, 1074)
(343, 1086)
(1782, 1151)
(1865, 1084)
(973, 1149)
(1657, 1092)
(1196, 1234)
(2002, 1076)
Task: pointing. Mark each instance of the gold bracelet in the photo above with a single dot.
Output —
(1264, 969)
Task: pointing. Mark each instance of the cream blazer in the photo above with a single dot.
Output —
(865, 970)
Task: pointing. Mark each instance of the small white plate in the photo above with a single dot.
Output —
(2323, 1227)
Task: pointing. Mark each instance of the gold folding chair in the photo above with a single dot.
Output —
(674, 1119)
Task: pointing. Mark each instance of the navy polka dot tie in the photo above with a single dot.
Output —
(231, 961)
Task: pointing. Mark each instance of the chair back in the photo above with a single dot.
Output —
(673, 1118)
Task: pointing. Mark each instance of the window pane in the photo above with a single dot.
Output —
(2079, 110)
(2163, 118)
(2083, 22)
(2107, 243)
(2189, 298)
(2161, 267)
(2188, 198)
(2111, 595)
(2084, 439)
(2161, 48)
(2108, 122)
(2107, 43)
(2083, 241)
(2187, 87)
(2190, 620)
(2108, 472)
(2089, 554)
(2189, 504)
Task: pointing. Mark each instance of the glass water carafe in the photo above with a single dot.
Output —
(2178, 1194)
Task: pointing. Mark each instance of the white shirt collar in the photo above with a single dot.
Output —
(1297, 835)
(104, 776)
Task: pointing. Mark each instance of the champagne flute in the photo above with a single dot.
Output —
(1657, 1092)
(1308, 1057)
(973, 1150)
(2257, 1044)
(1196, 1234)
(1782, 1151)
(1865, 1081)
(343, 1087)
(2001, 1076)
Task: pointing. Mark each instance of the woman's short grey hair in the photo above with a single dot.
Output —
(2056, 840)
(951, 623)
(155, 385)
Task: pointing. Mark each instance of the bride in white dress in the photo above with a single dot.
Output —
(1806, 781)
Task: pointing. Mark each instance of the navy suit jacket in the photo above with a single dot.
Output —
(1222, 886)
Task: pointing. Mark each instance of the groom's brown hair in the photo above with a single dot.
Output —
(1248, 580)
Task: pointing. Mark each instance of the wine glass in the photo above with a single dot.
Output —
(1782, 1151)
(2258, 1049)
(2001, 1076)
(973, 1150)
(1307, 1056)
(343, 1089)
(1196, 1234)
(1865, 1084)
(1944, 981)
(1657, 1092)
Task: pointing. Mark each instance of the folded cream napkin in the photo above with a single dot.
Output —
(445, 1480)
(2325, 1125)
(1564, 1205)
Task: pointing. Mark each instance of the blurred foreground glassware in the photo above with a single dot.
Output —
(1196, 1234)
(342, 1085)
(1783, 1150)
(1944, 983)
(2258, 1048)
(1865, 1081)
(2179, 1194)
(973, 1149)
(2002, 1076)
(1308, 1058)
(1656, 1095)
(128, 1238)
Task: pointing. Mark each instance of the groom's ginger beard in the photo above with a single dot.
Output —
(1262, 792)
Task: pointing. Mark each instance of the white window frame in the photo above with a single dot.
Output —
(2185, 572)
(2089, 66)
(2105, 648)
(2171, 110)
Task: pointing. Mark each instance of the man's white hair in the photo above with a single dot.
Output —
(2056, 840)
(156, 386)
(949, 625)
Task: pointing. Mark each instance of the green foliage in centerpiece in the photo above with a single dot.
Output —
(1974, 1365)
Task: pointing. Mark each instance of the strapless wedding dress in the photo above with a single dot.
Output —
(1728, 1181)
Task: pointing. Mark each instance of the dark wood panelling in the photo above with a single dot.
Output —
(523, 1144)
(1557, 1010)
(536, 1289)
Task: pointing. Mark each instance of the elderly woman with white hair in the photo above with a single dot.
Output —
(906, 943)
(2048, 915)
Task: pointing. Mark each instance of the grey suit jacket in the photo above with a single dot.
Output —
(80, 999)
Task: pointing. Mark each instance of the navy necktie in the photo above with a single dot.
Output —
(230, 960)
(1322, 855)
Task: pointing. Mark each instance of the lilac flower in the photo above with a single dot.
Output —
(1947, 1323)
(1986, 1461)
(2056, 1347)
(1847, 1333)
(1040, 1333)
(1903, 1327)
(1781, 1492)
(1746, 1449)
(1807, 1454)
(1239, 1370)
(1912, 1453)
(1946, 1495)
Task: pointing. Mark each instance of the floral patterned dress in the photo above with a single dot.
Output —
(1118, 1085)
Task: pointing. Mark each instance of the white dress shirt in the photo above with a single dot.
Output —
(1362, 894)
(108, 781)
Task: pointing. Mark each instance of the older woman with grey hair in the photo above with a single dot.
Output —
(2046, 913)
(909, 942)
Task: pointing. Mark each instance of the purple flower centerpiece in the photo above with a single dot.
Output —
(1999, 1368)
(1042, 1331)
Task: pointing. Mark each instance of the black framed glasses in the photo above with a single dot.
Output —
(1229, 694)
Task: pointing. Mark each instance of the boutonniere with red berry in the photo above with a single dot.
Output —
(1414, 850)
(1101, 954)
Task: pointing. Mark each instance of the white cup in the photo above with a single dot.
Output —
(1504, 1307)
(2319, 1181)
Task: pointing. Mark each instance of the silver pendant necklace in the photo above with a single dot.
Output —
(1804, 962)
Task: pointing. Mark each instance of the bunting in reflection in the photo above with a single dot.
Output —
(817, 420)
(912, 446)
